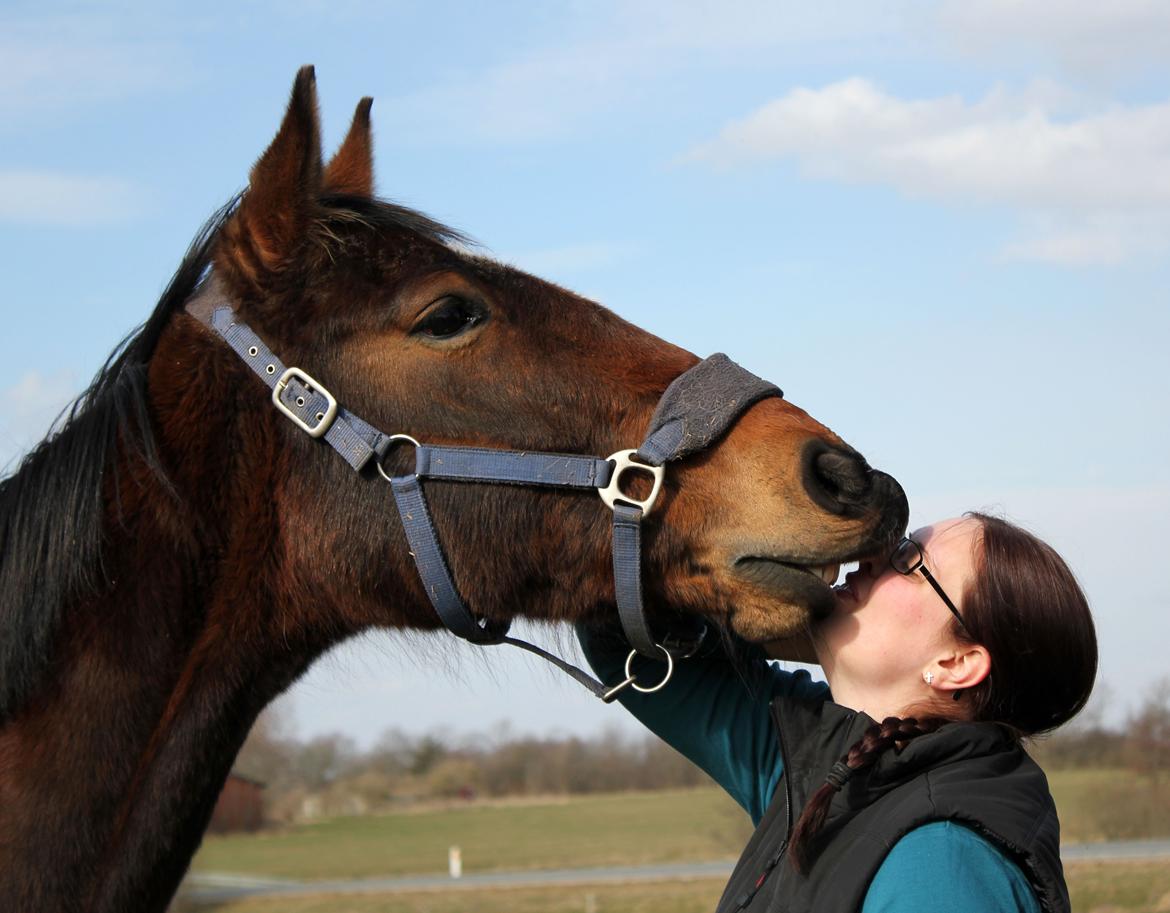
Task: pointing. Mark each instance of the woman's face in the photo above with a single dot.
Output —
(887, 628)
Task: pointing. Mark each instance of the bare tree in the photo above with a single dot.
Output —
(323, 759)
(1148, 733)
(268, 752)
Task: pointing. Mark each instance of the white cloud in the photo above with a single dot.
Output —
(31, 405)
(621, 53)
(66, 200)
(1088, 37)
(1101, 175)
(1093, 239)
(69, 60)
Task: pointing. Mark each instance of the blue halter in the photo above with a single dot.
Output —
(696, 409)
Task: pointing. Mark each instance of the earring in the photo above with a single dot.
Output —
(928, 677)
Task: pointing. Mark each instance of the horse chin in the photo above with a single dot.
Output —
(779, 599)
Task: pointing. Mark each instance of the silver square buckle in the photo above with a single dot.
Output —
(623, 460)
(324, 419)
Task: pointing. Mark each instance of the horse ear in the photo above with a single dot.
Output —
(351, 170)
(275, 213)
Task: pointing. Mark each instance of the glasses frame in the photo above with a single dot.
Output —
(919, 564)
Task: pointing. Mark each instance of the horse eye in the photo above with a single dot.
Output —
(449, 318)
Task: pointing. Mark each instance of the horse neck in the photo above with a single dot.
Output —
(113, 768)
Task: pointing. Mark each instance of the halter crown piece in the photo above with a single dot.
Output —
(696, 409)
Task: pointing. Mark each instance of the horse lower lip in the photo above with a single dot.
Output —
(764, 566)
(781, 576)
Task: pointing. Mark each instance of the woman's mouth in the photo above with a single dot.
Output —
(847, 588)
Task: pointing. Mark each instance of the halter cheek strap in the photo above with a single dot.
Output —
(696, 409)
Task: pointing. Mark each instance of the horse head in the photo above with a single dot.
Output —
(421, 336)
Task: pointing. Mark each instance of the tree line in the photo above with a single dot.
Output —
(330, 774)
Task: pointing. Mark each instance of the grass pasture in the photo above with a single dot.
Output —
(1099, 805)
(615, 829)
(629, 829)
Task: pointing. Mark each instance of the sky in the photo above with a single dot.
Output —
(941, 227)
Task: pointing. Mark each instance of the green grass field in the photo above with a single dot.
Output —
(1110, 805)
(617, 829)
(626, 828)
(629, 829)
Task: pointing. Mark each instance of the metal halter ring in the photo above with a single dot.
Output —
(391, 439)
(631, 680)
(622, 462)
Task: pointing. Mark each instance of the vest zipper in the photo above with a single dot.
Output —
(746, 898)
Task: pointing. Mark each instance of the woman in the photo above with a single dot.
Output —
(969, 636)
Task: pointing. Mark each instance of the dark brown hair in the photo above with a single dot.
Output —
(1027, 608)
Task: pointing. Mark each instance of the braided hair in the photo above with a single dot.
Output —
(876, 740)
(1025, 607)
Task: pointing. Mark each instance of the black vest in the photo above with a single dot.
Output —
(975, 774)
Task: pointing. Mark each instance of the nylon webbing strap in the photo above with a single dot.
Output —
(432, 565)
(478, 464)
(627, 578)
(353, 438)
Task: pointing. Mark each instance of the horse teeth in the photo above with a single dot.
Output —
(829, 573)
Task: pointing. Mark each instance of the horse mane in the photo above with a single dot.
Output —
(52, 509)
(340, 209)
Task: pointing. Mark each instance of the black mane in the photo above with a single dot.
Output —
(383, 214)
(51, 507)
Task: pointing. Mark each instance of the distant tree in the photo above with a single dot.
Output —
(268, 752)
(391, 754)
(1086, 741)
(426, 753)
(321, 760)
(1148, 733)
(454, 777)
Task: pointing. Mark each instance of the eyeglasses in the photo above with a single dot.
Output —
(906, 558)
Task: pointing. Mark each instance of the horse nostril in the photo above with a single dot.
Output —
(838, 479)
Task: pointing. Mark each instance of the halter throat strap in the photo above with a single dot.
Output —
(696, 409)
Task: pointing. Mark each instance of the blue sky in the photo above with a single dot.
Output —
(942, 228)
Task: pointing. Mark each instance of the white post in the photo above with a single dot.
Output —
(455, 862)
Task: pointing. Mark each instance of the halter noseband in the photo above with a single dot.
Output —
(696, 409)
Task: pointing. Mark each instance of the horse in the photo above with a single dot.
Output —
(176, 553)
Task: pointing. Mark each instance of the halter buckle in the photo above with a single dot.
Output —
(612, 492)
(324, 419)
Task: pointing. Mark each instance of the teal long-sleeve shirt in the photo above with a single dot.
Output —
(709, 715)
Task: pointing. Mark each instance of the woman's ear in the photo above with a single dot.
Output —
(964, 667)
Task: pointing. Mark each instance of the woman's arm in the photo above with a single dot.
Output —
(708, 713)
(946, 866)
